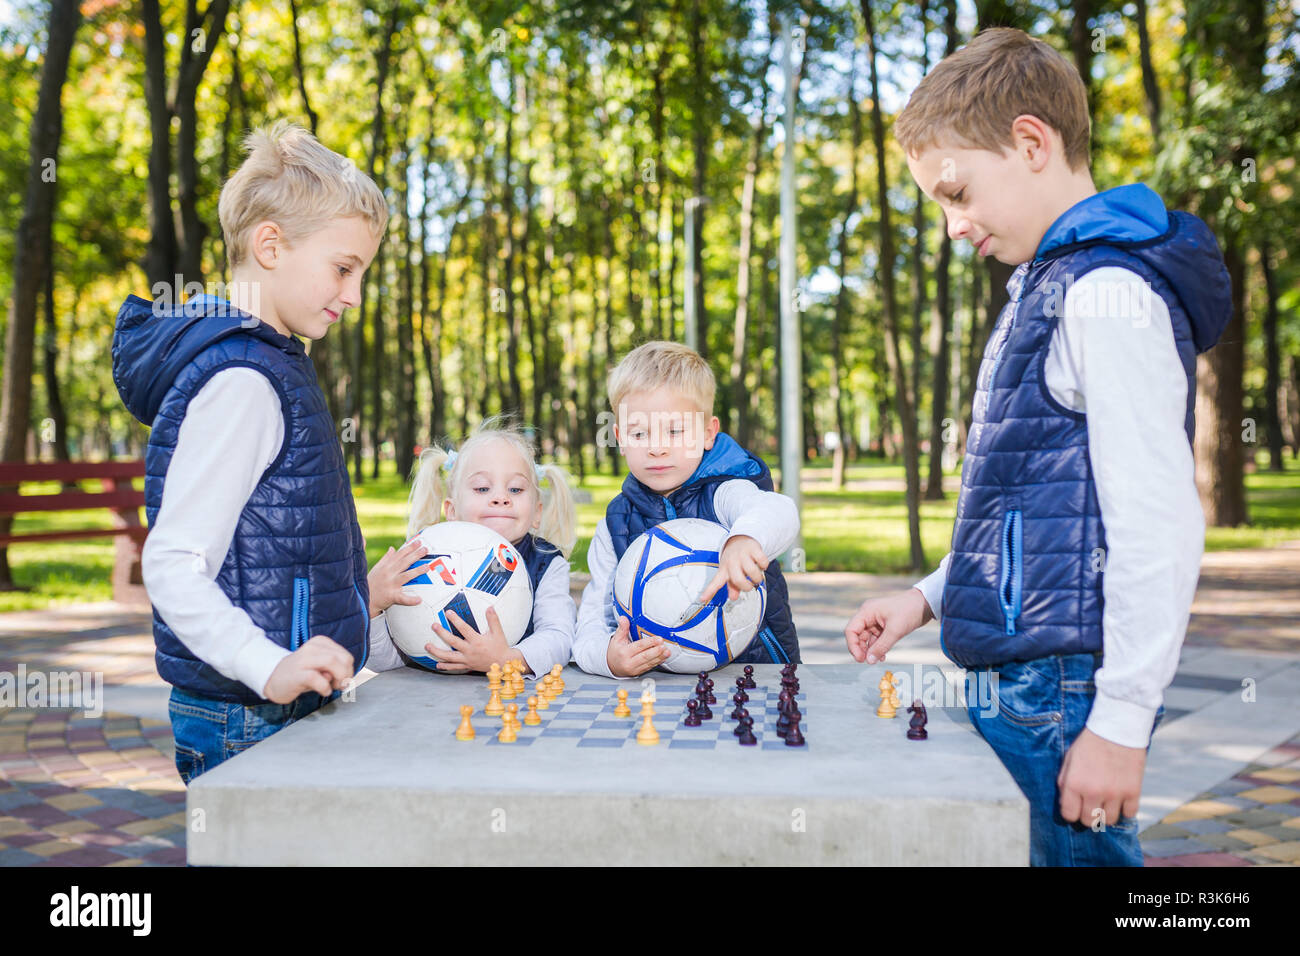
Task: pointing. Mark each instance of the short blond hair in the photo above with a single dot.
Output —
(293, 180)
(670, 365)
(972, 97)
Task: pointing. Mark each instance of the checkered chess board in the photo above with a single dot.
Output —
(583, 716)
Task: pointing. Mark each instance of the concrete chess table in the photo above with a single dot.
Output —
(383, 780)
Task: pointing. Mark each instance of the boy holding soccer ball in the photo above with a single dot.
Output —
(255, 563)
(682, 466)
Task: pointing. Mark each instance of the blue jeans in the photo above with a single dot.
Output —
(208, 731)
(1041, 707)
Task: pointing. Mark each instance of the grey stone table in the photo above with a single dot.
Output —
(382, 779)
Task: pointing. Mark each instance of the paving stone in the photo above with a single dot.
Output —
(1159, 848)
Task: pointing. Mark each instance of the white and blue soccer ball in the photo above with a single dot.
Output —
(656, 587)
(469, 568)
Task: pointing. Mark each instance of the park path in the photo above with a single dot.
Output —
(1222, 787)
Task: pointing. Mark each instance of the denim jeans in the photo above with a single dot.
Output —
(1042, 706)
(208, 731)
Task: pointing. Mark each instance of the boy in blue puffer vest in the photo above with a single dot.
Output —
(681, 466)
(1078, 536)
(255, 563)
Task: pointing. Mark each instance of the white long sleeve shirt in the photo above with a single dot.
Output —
(550, 643)
(1120, 366)
(232, 431)
(742, 508)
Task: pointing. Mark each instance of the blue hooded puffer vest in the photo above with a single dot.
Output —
(537, 554)
(636, 508)
(296, 563)
(1028, 547)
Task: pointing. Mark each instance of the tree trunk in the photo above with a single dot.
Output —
(893, 348)
(354, 400)
(1272, 362)
(513, 330)
(942, 321)
(738, 370)
(298, 70)
(1150, 84)
(700, 140)
(32, 244)
(1081, 45)
(1218, 444)
(202, 31)
(160, 255)
(53, 394)
(404, 444)
(841, 296)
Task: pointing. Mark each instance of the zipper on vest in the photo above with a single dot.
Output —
(668, 506)
(774, 648)
(1012, 573)
(301, 594)
(365, 616)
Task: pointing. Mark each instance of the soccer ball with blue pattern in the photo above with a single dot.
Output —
(656, 587)
(469, 568)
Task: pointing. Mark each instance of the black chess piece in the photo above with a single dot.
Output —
(793, 736)
(783, 720)
(743, 721)
(749, 677)
(740, 707)
(744, 697)
(708, 686)
(693, 717)
(916, 726)
(746, 735)
(702, 708)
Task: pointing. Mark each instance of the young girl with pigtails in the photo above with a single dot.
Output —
(493, 480)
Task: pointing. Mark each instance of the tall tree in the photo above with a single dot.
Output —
(898, 371)
(32, 244)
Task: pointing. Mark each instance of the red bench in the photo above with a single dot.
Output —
(117, 495)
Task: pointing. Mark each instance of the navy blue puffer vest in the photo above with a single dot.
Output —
(1028, 547)
(636, 508)
(296, 563)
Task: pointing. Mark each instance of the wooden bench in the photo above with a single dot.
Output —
(117, 495)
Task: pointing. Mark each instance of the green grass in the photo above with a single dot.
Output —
(850, 530)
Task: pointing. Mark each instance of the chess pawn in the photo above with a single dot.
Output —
(512, 712)
(520, 686)
(466, 729)
(508, 691)
(647, 734)
(622, 710)
(692, 718)
(557, 679)
(749, 677)
(532, 718)
(494, 706)
(507, 733)
(887, 707)
(544, 693)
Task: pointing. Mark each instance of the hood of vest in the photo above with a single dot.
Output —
(152, 345)
(725, 458)
(1178, 246)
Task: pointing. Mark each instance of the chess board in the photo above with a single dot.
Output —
(583, 716)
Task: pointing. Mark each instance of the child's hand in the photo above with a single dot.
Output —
(391, 572)
(475, 652)
(320, 664)
(628, 658)
(1099, 775)
(740, 567)
(881, 622)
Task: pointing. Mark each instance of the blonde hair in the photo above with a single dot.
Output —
(434, 483)
(291, 179)
(668, 365)
(973, 96)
